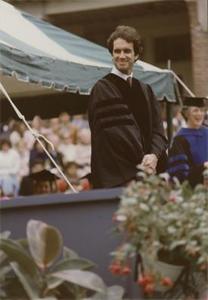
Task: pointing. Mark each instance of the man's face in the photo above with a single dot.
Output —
(123, 55)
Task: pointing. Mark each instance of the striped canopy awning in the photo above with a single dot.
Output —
(35, 51)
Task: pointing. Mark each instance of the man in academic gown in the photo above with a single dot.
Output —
(188, 154)
(124, 117)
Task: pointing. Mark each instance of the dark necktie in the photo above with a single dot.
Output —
(129, 81)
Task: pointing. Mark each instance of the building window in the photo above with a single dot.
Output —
(176, 48)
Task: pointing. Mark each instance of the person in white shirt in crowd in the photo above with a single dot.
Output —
(9, 169)
(65, 125)
(24, 153)
(68, 146)
(83, 151)
(54, 125)
(80, 121)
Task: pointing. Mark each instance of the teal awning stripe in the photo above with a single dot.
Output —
(33, 65)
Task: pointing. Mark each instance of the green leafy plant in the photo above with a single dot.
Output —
(162, 221)
(39, 267)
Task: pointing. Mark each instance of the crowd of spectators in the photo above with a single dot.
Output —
(20, 152)
(21, 155)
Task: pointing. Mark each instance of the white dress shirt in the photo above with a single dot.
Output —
(120, 74)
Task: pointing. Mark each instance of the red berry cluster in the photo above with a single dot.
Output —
(117, 268)
(148, 283)
(166, 281)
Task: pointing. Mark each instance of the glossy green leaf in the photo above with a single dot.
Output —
(26, 281)
(84, 279)
(5, 234)
(23, 243)
(112, 293)
(4, 271)
(69, 253)
(3, 257)
(53, 282)
(75, 264)
(16, 253)
(115, 292)
(45, 242)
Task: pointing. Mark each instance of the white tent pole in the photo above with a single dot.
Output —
(183, 85)
(37, 136)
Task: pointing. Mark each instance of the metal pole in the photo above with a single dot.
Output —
(169, 113)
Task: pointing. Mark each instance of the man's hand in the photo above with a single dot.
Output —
(149, 163)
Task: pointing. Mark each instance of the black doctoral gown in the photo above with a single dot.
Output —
(125, 124)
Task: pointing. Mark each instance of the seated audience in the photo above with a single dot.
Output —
(9, 168)
(80, 121)
(64, 121)
(37, 152)
(70, 136)
(71, 172)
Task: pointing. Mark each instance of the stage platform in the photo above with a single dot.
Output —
(85, 221)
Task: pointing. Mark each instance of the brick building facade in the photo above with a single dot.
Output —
(199, 43)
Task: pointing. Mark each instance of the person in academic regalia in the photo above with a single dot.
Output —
(39, 181)
(188, 154)
(26, 184)
(124, 118)
(44, 182)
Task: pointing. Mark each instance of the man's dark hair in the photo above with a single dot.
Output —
(128, 34)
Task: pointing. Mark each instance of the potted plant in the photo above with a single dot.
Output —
(39, 267)
(167, 224)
